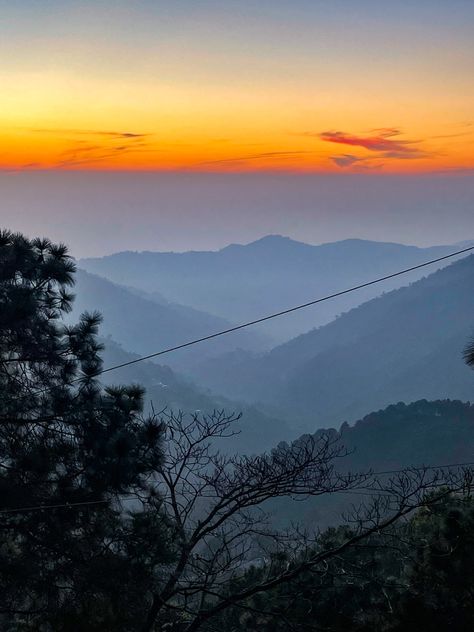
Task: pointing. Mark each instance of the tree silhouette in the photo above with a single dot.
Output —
(82, 452)
(217, 505)
(469, 354)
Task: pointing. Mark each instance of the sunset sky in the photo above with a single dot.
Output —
(237, 85)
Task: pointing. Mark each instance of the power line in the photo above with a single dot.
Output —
(263, 319)
(282, 312)
(237, 328)
(256, 321)
(53, 506)
(423, 467)
(127, 497)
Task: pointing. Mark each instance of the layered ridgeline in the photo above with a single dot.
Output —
(421, 434)
(403, 346)
(240, 283)
(166, 389)
(144, 323)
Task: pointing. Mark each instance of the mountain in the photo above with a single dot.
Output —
(165, 388)
(244, 282)
(402, 346)
(420, 434)
(147, 323)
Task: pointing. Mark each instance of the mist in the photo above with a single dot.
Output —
(97, 213)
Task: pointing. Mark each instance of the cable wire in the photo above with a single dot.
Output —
(264, 318)
(255, 322)
(283, 312)
(127, 497)
(237, 328)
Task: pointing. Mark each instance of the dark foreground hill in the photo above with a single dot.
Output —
(402, 346)
(401, 436)
(243, 282)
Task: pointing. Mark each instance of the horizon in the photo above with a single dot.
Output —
(279, 237)
(98, 213)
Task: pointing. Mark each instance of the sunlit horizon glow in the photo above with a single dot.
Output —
(235, 86)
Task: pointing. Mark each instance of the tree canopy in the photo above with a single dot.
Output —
(85, 453)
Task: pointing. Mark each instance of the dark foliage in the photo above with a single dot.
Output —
(65, 441)
(415, 576)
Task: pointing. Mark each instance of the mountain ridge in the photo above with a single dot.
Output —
(393, 347)
(245, 282)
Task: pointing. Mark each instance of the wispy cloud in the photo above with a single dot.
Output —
(269, 155)
(85, 146)
(382, 140)
(381, 143)
(89, 132)
(346, 160)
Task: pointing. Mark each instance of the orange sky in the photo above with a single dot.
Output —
(114, 86)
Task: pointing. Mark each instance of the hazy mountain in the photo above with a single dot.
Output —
(167, 389)
(243, 282)
(146, 323)
(423, 433)
(402, 346)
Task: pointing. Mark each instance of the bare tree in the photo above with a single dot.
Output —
(469, 353)
(217, 506)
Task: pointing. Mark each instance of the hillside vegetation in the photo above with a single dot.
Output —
(403, 346)
(419, 434)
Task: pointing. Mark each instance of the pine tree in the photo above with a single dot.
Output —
(91, 557)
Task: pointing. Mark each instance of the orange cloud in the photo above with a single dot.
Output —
(383, 141)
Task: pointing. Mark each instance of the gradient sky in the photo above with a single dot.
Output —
(237, 85)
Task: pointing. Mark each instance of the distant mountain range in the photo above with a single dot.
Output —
(243, 282)
(145, 323)
(403, 346)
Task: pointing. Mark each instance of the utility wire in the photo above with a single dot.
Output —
(127, 497)
(237, 328)
(256, 321)
(263, 319)
(282, 312)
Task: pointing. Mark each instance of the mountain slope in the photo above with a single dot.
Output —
(420, 434)
(167, 389)
(146, 324)
(243, 282)
(402, 346)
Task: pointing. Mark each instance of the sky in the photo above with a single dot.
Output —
(98, 213)
(301, 86)
(192, 124)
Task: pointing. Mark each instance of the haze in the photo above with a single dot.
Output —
(100, 213)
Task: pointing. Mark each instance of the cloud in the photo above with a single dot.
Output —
(91, 132)
(104, 145)
(382, 140)
(346, 160)
(89, 146)
(382, 143)
(252, 157)
(90, 155)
